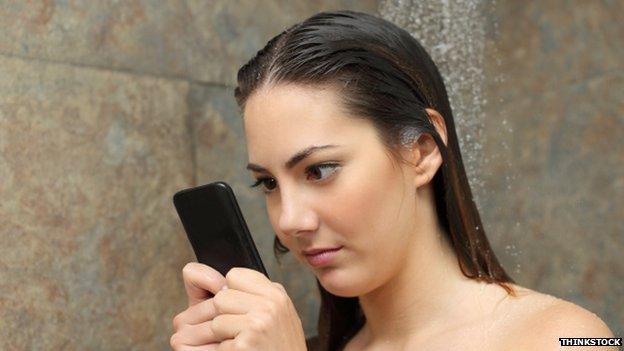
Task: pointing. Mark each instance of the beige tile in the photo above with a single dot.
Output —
(91, 251)
(555, 195)
(198, 40)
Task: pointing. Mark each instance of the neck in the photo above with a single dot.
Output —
(427, 294)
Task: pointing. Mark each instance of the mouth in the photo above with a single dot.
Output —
(322, 257)
(319, 250)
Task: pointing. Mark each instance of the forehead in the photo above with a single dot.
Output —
(286, 118)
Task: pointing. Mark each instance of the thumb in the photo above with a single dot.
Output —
(201, 282)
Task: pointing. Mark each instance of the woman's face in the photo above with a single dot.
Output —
(360, 201)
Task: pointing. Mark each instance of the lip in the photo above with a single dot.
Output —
(321, 257)
(318, 250)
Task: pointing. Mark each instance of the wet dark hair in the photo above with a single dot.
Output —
(386, 76)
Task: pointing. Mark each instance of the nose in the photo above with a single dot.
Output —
(297, 216)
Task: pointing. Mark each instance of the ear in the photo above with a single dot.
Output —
(427, 156)
(440, 125)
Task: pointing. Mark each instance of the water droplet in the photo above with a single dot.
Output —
(456, 47)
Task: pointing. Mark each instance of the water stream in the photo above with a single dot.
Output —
(453, 33)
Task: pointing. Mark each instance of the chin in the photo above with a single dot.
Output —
(338, 283)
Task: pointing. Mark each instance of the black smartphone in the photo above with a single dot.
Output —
(216, 229)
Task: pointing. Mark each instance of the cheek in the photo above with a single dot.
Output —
(365, 206)
(367, 215)
(361, 211)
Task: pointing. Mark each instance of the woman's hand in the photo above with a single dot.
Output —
(252, 313)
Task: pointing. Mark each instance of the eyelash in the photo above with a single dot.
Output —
(317, 166)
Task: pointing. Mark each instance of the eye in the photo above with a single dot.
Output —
(262, 180)
(321, 167)
(315, 170)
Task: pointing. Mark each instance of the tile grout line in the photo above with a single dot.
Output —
(122, 70)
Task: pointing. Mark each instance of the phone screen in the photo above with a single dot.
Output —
(216, 228)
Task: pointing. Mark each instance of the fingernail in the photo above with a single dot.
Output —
(224, 287)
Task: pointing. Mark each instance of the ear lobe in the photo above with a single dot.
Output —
(438, 122)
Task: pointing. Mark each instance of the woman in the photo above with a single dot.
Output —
(351, 136)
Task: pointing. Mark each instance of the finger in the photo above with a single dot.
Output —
(195, 314)
(228, 326)
(231, 301)
(250, 281)
(227, 345)
(209, 347)
(178, 346)
(201, 282)
(197, 334)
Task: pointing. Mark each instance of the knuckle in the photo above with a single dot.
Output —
(234, 271)
(218, 301)
(241, 344)
(216, 324)
(278, 302)
(260, 323)
(174, 341)
(281, 296)
(205, 308)
(216, 321)
(176, 322)
(230, 273)
(279, 286)
(274, 308)
(271, 307)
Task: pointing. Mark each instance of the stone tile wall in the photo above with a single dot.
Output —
(107, 109)
(554, 121)
(537, 91)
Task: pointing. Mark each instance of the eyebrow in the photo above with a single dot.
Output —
(296, 158)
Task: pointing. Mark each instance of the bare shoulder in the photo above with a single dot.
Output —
(547, 318)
